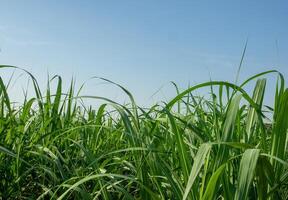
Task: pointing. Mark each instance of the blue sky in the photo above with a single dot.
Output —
(143, 44)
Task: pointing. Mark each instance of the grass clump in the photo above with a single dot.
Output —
(53, 147)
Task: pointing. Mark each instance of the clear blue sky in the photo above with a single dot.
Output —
(143, 44)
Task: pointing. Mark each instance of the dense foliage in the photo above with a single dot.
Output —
(192, 147)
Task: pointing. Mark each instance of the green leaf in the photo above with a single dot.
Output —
(246, 173)
(212, 184)
(197, 165)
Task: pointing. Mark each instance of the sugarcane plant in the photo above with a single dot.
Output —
(226, 144)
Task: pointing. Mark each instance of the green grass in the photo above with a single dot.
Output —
(214, 147)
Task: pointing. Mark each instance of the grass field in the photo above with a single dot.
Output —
(220, 146)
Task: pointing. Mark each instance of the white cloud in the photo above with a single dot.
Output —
(21, 37)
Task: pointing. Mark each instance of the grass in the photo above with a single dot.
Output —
(217, 147)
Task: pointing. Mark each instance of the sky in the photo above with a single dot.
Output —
(142, 45)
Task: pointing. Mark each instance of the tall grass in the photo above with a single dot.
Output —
(218, 147)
